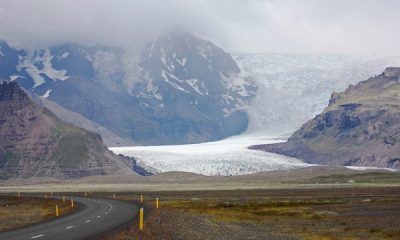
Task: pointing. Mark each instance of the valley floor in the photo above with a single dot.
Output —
(309, 203)
(325, 213)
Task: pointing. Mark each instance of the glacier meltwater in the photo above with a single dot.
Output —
(221, 158)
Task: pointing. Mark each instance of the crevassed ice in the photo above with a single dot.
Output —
(226, 157)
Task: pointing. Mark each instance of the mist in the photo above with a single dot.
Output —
(288, 26)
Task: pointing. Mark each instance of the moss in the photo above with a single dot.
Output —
(72, 146)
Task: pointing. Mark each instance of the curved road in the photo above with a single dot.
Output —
(96, 216)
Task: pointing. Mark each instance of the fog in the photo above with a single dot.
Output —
(289, 26)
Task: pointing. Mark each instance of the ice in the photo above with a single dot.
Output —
(181, 62)
(47, 94)
(48, 70)
(221, 158)
(194, 84)
(64, 55)
(167, 78)
(14, 77)
(292, 88)
(359, 168)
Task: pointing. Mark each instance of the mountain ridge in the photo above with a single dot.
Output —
(180, 89)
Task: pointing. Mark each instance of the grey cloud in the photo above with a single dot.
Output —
(343, 26)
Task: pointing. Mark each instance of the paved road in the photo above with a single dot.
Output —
(95, 217)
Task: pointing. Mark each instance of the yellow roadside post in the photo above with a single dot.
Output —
(157, 203)
(57, 214)
(141, 219)
(72, 203)
(141, 198)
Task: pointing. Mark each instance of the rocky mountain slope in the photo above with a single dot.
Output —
(178, 89)
(35, 143)
(360, 127)
(76, 119)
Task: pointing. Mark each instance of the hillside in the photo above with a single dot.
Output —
(35, 143)
(360, 127)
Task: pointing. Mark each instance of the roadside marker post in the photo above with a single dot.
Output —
(141, 198)
(114, 195)
(45, 196)
(19, 194)
(157, 203)
(63, 199)
(72, 203)
(141, 215)
(85, 194)
(57, 213)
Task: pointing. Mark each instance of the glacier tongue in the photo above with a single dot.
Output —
(294, 88)
(221, 158)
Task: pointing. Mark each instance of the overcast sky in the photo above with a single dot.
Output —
(290, 26)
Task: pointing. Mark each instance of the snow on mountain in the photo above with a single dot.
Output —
(294, 88)
(39, 67)
(222, 158)
(178, 89)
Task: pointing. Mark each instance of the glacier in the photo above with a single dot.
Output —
(291, 90)
(226, 157)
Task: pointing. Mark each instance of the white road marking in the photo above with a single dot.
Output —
(98, 216)
(37, 236)
(105, 212)
(87, 221)
(69, 227)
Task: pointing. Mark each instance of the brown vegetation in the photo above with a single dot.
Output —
(352, 213)
(18, 212)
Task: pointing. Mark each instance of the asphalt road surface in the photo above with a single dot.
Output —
(96, 216)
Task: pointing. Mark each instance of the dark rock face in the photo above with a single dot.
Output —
(34, 143)
(179, 89)
(360, 127)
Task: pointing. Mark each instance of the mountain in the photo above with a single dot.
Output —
(35, 143)
(299, 86)
(76, 119)
(178, 89)
(360, 127)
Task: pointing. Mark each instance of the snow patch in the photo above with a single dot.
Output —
(37, 74)
(167, 77)
(358, 168)
(64, 55)
(47, 94)
(181, 62)
(194, 84)
(14, 77)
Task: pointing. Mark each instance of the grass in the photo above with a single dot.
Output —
(73, 146)
(18, 212)
(313, 216)
(308, 213)
(369, 177)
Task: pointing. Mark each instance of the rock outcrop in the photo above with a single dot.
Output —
(360, 127)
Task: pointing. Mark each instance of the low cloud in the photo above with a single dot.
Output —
(291, 26)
